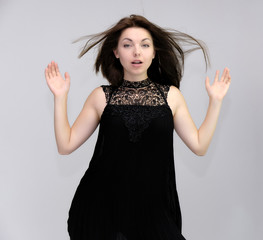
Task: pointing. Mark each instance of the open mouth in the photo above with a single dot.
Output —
(137, 62)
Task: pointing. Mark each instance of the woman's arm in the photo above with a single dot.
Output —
(198, 140)
(70, 138)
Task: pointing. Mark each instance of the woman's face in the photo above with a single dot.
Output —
(135, 50)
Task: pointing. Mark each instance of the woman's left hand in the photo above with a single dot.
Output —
(219, 88)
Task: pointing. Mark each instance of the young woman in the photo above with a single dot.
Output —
(128, 191)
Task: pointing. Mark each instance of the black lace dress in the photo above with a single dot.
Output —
(128, 191)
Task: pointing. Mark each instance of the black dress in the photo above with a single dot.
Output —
(128, 191)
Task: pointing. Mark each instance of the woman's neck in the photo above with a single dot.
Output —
(135, 78)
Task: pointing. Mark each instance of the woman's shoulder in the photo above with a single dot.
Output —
(102, 90)
(174, 90)
(174, 98)
(175, 94)
(95, 97)
(96, 100)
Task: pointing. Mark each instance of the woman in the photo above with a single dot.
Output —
(128, 191)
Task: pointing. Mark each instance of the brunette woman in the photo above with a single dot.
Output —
(129, 191)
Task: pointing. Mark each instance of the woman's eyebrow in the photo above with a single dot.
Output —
(132, 41)
(127, 39)
(146, 39)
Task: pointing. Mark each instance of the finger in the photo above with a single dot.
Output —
(207, 82)
(217, 76)
(57, 69)
(67, 77)
(228, 79)
(47, 74)
(225, 75)
(53, 69)
(48, 70)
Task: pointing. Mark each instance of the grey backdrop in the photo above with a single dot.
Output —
(221, 193)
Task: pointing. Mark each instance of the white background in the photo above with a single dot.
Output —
(221, 193)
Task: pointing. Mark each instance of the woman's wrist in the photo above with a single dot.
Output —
(61, 97)
(215, 101)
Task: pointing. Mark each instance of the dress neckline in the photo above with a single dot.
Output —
(136, 84)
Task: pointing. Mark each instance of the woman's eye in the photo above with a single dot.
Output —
(146, 45)
(126, 45)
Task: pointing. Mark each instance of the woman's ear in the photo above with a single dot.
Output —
(115, 51)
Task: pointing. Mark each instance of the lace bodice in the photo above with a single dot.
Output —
(137, 103)
(145, 93)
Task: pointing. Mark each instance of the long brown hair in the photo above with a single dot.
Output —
(168, 64)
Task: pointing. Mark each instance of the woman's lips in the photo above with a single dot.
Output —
(137, 62)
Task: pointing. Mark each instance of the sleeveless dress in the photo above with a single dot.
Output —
(128, 191)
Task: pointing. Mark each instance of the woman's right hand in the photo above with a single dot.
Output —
(56, 83)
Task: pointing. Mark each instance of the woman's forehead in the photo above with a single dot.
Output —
(135, 33)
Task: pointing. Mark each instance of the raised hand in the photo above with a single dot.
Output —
(220, 86)
(56, 83)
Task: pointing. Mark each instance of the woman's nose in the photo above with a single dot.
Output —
(137, 51)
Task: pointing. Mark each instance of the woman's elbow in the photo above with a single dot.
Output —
(200, 152)
(64, 151)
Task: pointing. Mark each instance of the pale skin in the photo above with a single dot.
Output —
(135, 44)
